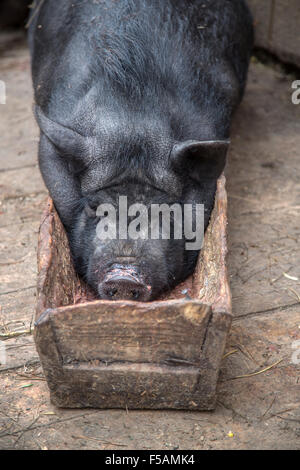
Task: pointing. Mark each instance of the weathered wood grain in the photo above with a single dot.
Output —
(134, 333)
(277, 28)
(210, 284)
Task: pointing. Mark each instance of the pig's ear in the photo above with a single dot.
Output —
(202, 159)
(66, 140)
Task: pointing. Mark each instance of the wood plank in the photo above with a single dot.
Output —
(168, 333)
(277, 28)
(286, 31)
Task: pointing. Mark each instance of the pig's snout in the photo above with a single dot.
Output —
(121, 284)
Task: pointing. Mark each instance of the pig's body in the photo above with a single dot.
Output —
(135, 97)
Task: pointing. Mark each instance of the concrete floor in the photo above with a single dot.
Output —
(259, 387)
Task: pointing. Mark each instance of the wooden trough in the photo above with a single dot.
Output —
(118, 354)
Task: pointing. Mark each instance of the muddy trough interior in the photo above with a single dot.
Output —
(125, 354)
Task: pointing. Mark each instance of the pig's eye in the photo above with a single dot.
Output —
(90, 212)
(76, 167)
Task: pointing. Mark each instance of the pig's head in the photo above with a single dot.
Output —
(86, 177)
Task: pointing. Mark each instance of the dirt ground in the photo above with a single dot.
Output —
(259, 386)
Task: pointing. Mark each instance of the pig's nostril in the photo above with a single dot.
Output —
(135, 294)
(111, 292)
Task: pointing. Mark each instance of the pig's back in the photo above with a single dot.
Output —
(139, 52)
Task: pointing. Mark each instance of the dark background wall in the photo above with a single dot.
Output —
(277, 28)
(13, 13)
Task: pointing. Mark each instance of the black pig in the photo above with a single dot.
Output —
(135, 98)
